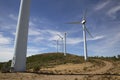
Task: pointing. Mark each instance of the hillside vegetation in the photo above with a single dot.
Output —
(52, 59)
(70, 67)
(46, 60)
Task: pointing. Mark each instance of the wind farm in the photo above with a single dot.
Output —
(37, 43)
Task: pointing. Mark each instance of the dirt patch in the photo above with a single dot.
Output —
(97, 67)
(33, 76)
(84, 71)
(104, 69)
(115, 69)
(68, 68)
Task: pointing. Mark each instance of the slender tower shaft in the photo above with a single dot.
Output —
(57, 45)
(85, 44)
(65, 44)
(62, 45)
(19, 59)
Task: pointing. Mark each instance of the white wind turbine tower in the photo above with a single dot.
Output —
(56, 41)
(84, 33)
(63, 43)
(19, 58)
(56, 44)
(62, 40)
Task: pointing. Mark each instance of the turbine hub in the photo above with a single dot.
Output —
(83, 21)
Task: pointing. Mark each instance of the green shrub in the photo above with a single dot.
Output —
(5, 68)
(36, 68)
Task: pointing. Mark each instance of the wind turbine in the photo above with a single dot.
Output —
(56, 42)
(83, 22)
(63, 43)
(62, 40)
(56, 45)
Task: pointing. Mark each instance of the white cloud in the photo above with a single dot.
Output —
(31, 23)
(74, 41)
(38, 39)
(97, 38)
(43, 34)
(48, 35)
(6, 53)
(34, 50)
(7, 27)
(4, 40)
(102, 5)
(53, 34)
(13, 17)
(112, 12)
(109, 46)
(34, 32)
(114, 39)
(7, 24)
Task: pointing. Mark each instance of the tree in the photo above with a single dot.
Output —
(118, 56)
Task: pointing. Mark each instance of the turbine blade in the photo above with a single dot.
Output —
(88, 32)
(84, 15)
(77, 22)
(60, 36)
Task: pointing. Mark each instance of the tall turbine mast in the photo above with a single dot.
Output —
(56, 41)
(65, 44)
(20, 48)
(62, 40)
(84, 38)
(84, 33)
(57, 45)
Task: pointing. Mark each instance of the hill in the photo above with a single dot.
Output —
(57, 63)
(46, 60)
(70, 67)
(52, 59)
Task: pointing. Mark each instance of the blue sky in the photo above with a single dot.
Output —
(47, 18)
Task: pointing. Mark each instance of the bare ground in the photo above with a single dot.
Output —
(102, 70)
(85, 71)
(33, 76)
(84, 68)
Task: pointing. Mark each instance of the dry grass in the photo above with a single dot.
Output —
(68, 68)
(97, 67)
(97, 70)
(32, 76)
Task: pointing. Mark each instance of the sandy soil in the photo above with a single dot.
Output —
(33, 76)
(84, 68)
(68, 68)
(104, 69)
(87, 71)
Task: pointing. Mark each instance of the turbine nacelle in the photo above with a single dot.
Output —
(83, 21)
